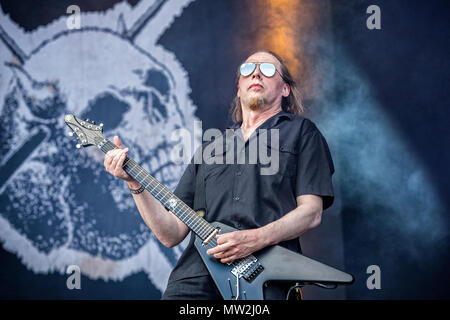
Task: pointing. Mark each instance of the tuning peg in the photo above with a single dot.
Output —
(93, 122)
(101, 124)
(70, 134)
(78, 146)
(87, 120)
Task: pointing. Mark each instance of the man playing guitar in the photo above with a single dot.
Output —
(266, 209)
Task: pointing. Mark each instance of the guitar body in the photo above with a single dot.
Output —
(278, 264)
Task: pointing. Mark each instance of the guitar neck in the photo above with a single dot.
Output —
(169, 200)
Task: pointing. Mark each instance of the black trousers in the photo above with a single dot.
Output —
(203, 288)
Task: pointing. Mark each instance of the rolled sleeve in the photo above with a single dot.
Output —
(315, 167)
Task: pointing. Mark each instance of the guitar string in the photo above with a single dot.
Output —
(201, 226)
(212, 243)
(205, 228)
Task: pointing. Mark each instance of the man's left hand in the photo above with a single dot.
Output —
(237, 244)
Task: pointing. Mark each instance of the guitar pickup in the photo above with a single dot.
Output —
(209, 238)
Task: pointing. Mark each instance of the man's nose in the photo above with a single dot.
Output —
(257, 72)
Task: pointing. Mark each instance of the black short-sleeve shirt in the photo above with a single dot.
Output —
(239, 195)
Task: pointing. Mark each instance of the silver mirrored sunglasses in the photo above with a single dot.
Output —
(267, 69)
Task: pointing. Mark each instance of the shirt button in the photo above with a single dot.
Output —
(236, 198)
(238, 173)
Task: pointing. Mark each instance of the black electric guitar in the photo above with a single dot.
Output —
(242, 279)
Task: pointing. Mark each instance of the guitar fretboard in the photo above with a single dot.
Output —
(196, 223)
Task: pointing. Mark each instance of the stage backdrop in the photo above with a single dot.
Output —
(148, 68)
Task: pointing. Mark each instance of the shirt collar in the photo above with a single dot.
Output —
(269, 123)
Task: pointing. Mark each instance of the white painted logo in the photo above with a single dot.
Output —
(111, 70)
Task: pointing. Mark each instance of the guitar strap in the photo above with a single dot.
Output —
(199, 196)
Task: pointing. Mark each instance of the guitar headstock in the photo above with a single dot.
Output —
(87, 132)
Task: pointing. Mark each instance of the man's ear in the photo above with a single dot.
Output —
(286, 90)
(238, 91)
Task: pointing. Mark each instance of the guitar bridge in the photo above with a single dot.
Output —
(248, 268)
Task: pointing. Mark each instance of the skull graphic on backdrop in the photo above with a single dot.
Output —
(58, 205)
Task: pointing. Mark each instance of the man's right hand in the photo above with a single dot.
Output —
(114, 163)
(167, 227)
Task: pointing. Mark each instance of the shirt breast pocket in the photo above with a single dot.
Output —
(283, 161)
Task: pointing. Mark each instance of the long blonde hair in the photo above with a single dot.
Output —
(292, 103)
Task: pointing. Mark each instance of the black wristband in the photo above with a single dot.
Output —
(137, 191)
